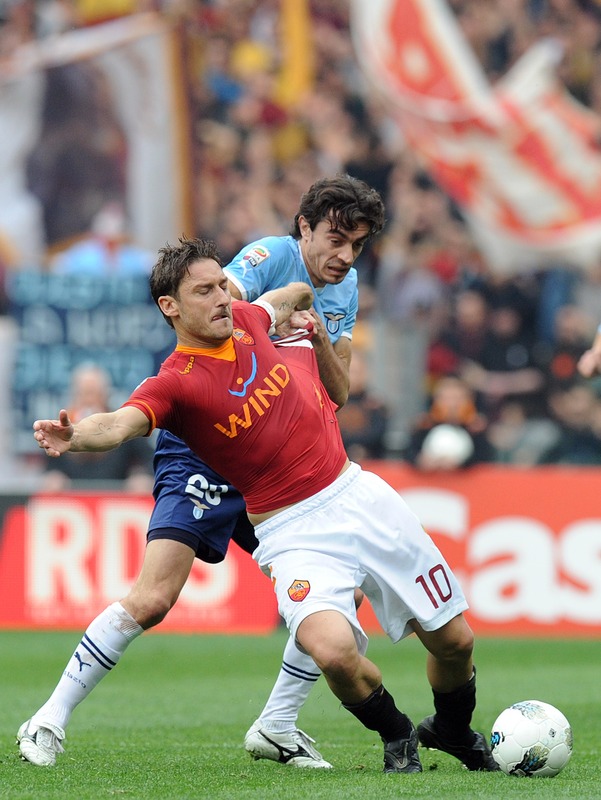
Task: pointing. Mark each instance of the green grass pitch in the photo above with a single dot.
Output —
(169, 721)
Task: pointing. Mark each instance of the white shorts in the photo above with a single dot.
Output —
(357, 532)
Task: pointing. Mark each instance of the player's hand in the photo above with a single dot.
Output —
(54, 435)
(302, 319)
(319, 329)
(299, 326)
(590, 363)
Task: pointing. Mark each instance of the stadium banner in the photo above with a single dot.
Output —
(64, 558)
(520, 157)
(66, 320)
(525, 544)
(95, 115)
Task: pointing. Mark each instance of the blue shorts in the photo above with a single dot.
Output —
(195, 505)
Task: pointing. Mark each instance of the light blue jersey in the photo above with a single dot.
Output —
(276, 261)
(189, 496)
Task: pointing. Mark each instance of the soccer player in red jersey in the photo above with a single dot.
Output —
(259, 415)
(197, 512)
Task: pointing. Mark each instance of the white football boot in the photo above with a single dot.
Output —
(40, 744)
(294, 747)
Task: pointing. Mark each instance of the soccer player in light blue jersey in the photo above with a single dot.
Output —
(197, 512)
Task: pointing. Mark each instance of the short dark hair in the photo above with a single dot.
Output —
(347, 201)
(173, 264)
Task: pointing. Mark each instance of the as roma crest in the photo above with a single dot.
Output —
(242, 336)
(299, 590)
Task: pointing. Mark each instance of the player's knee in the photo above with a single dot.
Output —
(340, 666)
(328, 638)
(338, 659)
(453, 643)
(150, 609)
(463, 646)
(459, 646)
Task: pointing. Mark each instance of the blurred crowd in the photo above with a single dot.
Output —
(440, 338)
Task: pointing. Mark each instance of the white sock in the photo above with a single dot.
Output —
(101, 647)
(297, 677)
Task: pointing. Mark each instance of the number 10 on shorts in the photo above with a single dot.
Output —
(436, 585)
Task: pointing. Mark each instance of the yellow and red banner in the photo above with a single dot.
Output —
(521, 158)
(296, 74)
(525, 545)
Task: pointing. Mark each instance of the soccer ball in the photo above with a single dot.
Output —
(531, 738)
(449, 441)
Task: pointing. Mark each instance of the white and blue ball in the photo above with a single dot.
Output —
(531, 739)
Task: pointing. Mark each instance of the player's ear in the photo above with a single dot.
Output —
(168, 305)
(304, 227)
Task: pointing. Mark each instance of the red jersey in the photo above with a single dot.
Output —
(256, 414)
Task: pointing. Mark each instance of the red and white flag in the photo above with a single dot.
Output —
(521, 158)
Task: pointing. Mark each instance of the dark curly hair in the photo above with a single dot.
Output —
(347, 201)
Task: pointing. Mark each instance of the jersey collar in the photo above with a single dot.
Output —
(225, 351)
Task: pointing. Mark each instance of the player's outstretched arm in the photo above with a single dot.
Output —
(54, 435)
(95, 433)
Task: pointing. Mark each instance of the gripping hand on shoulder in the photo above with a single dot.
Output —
(54, 435)
(299, 326)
